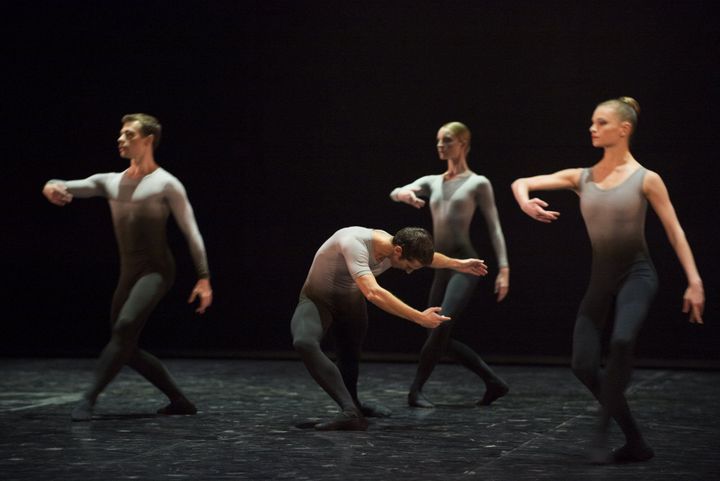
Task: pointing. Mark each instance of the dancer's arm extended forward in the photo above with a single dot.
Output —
(388, 302)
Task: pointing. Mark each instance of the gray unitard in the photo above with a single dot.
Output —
(453, 204)
(330, 296)
(140, 209)
(623, 275)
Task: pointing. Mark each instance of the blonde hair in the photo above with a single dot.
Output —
(628, 109)
(460, 131)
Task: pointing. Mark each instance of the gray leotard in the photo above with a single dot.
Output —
(615, 222)
(344, 257)
(622, 277)
(453, 203)
(140, 208)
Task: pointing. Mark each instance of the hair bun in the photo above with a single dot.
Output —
(631, 102)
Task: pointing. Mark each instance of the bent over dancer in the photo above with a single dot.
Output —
(341, 277)
(141, 199)
(453, 197)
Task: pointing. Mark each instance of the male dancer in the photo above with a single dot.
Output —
(341, 277)
(140, 198)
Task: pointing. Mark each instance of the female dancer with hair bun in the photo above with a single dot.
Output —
(454, 196)
(614, 194)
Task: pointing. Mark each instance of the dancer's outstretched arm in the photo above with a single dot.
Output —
(657, 194)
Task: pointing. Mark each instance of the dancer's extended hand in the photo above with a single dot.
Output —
(431, 318)
(694, 303)
(475, 267)
(203, 291)
(57, 193)
(408, 196)
(502, 283)
(535, 208)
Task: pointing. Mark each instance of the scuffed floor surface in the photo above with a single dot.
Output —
(249, 410)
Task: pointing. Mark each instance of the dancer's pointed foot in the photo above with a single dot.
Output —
(493, 391)
(178, 407)
(83, 410)
(417, 400)
(370, 410)
(350, 420)
(632, 453)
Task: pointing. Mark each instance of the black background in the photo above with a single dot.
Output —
(288, 120)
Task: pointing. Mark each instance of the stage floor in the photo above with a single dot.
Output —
(249, 410)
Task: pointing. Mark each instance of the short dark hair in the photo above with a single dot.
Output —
(417, 244)
(149, 125)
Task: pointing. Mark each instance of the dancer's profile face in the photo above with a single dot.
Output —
(131, 142)
(406, 265)
(409, 266)
(606, 127)
(448, 145)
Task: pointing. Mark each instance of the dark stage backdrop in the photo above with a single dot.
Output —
(288, 120)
